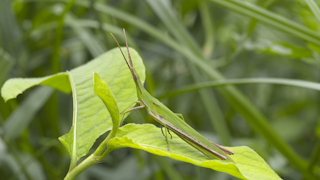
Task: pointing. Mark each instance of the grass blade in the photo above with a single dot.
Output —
(270, 18)
(280, 81)
(314, 8)
(23, 115)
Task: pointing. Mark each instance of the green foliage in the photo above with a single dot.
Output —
(19, 120)
(185, 46)
(247, 164)
(13, 87)
(195, 87)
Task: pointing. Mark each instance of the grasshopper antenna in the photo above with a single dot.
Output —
(135, 77)
(130, 61)
(125, 37)
(121, 50)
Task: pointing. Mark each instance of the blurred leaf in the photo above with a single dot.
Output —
(187, 6)
(208, 28)
(280, 81)
(270, 18)
(132, 171)
(6, 63)
(10, 33)
(47, 144)
(314, 8)
(21, 117)
(280, 49)
(168, 168)
(55, 62)
(318, 129)
(34, 169)
(94, 45)
(247, 163)
(314, 47)
(294, 128)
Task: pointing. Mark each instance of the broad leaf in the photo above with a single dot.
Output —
(90, 119)
(15, 86)
(247, 163)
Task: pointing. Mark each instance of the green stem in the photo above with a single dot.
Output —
(169, 169)
(101, 152)
(220, 83)
(55, 64)
(103, 148)
(31, 160)
(314, 8)
(88, 162)
(208, 47)
(315, 156)
(18, 159)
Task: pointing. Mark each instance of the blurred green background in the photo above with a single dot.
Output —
(182, 42)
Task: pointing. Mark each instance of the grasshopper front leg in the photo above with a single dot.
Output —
(155, 113)
(165, 135)
(142, 105)
(132, 109)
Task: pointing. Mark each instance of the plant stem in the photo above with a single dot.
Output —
(88, 162)
(55, 64)
(103, 147)
(315, 156)
(101, 152)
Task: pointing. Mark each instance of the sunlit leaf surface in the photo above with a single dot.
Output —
(247, 163)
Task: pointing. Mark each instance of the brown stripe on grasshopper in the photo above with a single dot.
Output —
(186, 137)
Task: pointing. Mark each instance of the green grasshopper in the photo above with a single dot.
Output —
(170, 120)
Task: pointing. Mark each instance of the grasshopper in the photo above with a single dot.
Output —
(171, 121)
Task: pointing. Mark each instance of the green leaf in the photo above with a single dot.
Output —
(282, 49)
(314, 8)
(15, 86)
(90, 120)
(94, 44)
(279, 81)
(268, 17)
(102, 90)
(247, 163)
